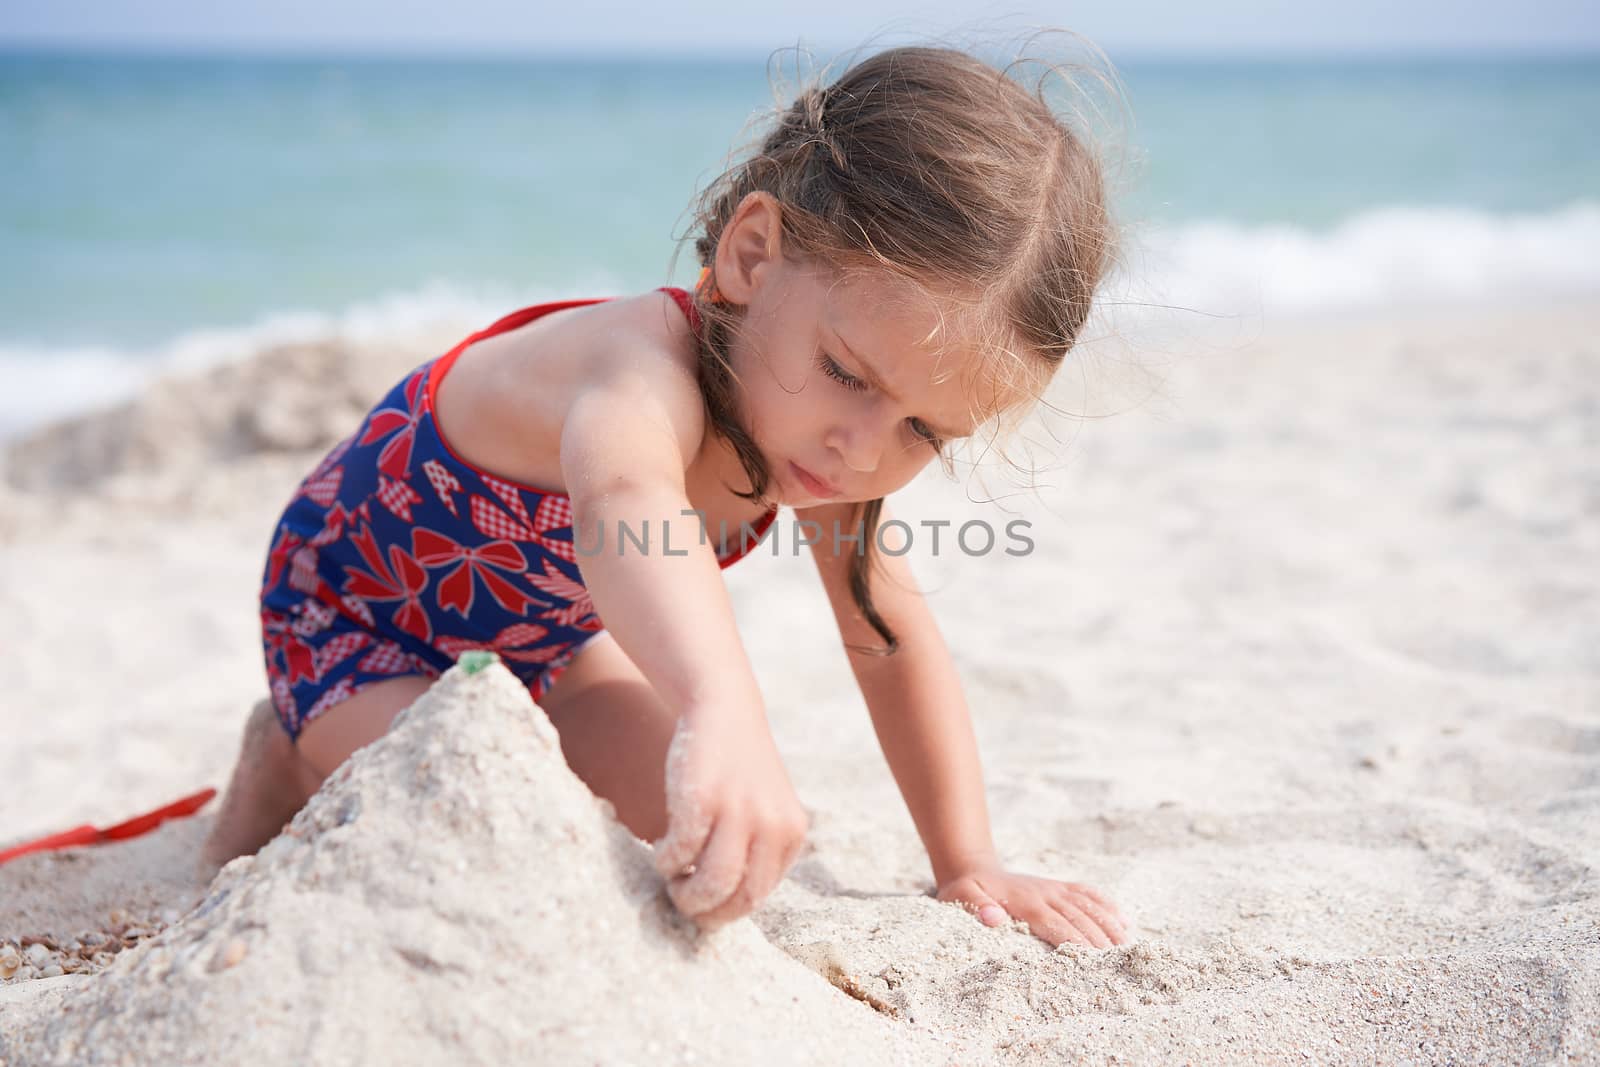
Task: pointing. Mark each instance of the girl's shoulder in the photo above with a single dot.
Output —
(503, 401)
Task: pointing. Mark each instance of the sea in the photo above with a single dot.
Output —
(174, 210)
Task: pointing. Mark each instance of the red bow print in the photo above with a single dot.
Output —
(553, 513)
(407, 579)
(278, 557)
(395, 459)
(456, 590)
(579, 604)
(298, 658)
(506, 643)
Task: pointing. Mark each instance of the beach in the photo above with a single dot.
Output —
(1302, 670)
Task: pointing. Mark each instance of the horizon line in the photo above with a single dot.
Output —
(349, 51)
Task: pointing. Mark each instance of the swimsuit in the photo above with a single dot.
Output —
(395, 555)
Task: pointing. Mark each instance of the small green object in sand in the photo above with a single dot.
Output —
(476, 660)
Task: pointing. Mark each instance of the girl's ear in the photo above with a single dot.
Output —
(752, 242)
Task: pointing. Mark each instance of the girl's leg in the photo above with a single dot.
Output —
(267, 787)
(329, 739)
(614, 733)
(274, 778)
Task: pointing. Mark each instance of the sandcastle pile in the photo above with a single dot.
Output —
(456, 895)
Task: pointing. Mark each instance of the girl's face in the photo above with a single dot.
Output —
(850, 386)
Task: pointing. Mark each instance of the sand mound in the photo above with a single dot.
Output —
(456, 895)
(293, 398)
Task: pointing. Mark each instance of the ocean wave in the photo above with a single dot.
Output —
(47, 383)
(1381, 258)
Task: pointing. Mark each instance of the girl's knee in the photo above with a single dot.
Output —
(328, 739)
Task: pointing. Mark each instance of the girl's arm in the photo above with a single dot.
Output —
(625, 446)
(734, 821)
(915, 700)
(923, 725)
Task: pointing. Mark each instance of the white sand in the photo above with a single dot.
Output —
(456, 895)
(1304, 672)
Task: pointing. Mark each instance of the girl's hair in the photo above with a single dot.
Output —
(942, 169)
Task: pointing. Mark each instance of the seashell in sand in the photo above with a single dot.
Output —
(232, 953)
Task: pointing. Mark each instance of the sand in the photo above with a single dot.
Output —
(1304, 672)
(456, 895)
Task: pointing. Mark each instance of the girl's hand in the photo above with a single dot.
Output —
(734, 823)
(1054, 911)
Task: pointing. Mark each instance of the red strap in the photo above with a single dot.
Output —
(88, 835)
(143, 824)
(78, 835)
(747, 545)
(686, 304)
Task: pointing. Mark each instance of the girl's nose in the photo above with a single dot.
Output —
(859, 446)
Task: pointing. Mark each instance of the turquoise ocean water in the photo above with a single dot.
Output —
(153, 206)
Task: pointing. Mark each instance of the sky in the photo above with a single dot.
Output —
(1166, 27)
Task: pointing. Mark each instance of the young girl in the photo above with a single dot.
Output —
(911, 253)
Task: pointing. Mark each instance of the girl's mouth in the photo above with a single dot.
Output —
(812, 484)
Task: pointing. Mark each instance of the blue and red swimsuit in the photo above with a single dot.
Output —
(395, 556)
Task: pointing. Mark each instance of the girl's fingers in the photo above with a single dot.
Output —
(1106, 920)
(1056, 928)
(1084, 925)
(767, 868)
(688, 819)
(687, 831)
(976, 899)
(790, 856)
(716, 872)
(761, 876)
(1096, 896)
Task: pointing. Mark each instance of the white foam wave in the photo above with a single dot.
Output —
(1381, 258)
(45, 383)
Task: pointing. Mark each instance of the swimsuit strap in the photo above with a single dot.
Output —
(686, 304)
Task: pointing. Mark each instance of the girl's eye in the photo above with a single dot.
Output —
(924, 431)
(838, 373)
(832, 369)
